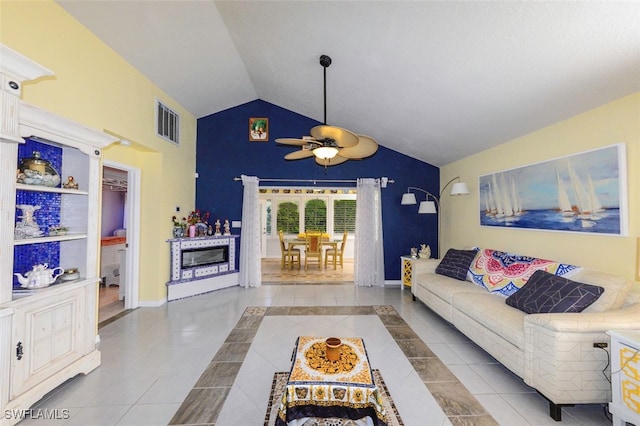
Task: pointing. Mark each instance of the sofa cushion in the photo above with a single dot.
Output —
(616, 288)
(455, 263)
(445, 287)
(545, 293)
(491, 312)
(505, 273)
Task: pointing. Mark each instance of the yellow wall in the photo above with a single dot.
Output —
(97, 88)
(616, 122)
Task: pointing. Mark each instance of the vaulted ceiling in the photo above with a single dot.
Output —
(436, 80)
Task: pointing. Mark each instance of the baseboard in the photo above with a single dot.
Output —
(152, 303)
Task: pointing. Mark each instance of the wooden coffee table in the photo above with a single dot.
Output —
(318, 387)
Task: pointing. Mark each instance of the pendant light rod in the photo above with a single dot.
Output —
(325, 61)
(325, 95)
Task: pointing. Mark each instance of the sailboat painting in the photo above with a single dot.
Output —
(584, 192)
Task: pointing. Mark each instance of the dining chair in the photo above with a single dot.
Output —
(289, 257)
(338, 254)
(313, 250)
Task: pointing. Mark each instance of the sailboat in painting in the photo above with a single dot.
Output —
(564, 204)
(502, 201)
(596, 205)
(586, 200)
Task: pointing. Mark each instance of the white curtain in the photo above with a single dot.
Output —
(369, 251)
(250, 266)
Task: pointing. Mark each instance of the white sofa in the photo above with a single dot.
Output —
(552, 352)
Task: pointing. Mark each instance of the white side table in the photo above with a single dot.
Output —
(625, 376)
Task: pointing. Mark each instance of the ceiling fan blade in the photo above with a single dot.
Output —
(332, 161)
(366, 146)
(299, 155)
(292, 141)
(343, 137)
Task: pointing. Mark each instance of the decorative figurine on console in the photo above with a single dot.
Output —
(227, 227)
(210, 230)
(425, 251)
(217, 233)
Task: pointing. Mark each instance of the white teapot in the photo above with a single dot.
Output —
(40, 276)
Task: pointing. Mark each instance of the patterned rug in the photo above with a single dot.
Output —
(280, 381)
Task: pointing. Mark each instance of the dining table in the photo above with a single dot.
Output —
(295, 242)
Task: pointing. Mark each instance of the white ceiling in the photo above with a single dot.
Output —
(436, 80)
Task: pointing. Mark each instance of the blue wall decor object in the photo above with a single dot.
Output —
(224, 152)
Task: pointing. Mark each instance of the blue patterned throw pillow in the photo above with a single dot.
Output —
(455, 263)
(546, 293)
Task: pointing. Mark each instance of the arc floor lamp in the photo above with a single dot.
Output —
(433, 207)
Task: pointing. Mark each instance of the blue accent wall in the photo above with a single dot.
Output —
(224, 152)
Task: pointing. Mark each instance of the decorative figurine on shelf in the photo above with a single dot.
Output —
(210, 230)
(227, 227)
(217, 233)
(27, 227)
(414, 253)
(70, 183)
(425, 251)
(56, 230)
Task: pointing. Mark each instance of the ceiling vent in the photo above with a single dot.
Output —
(167, 123)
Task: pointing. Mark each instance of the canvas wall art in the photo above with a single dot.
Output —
(584, 192)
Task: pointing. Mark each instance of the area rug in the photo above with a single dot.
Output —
(280, 381)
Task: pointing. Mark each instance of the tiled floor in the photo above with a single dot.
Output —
(154, 357)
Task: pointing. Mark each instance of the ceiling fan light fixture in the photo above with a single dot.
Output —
(330, 145)
(325, 152)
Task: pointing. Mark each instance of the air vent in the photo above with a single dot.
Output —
(168, 123)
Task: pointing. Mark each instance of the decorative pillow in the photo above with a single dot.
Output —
(616, 288)
(505, 273)
(455, 263)
(545, 293)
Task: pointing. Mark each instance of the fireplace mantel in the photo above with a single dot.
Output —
(202, 275)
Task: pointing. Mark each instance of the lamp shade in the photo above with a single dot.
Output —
(325, 152)
(427, 207)
(408, 199)
(459, 188)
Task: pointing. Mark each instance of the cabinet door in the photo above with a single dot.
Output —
(49, 335)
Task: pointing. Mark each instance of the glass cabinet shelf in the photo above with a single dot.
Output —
(40, 188)
(67, 237)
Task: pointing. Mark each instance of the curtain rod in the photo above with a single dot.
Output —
(314, 181)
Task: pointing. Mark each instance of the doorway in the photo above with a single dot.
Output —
(296, 211)
(119, 240)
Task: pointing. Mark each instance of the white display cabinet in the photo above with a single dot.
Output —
(47, 335)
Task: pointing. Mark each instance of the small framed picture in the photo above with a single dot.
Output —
(259, 129)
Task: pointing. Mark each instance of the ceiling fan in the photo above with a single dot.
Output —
(330, 145)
